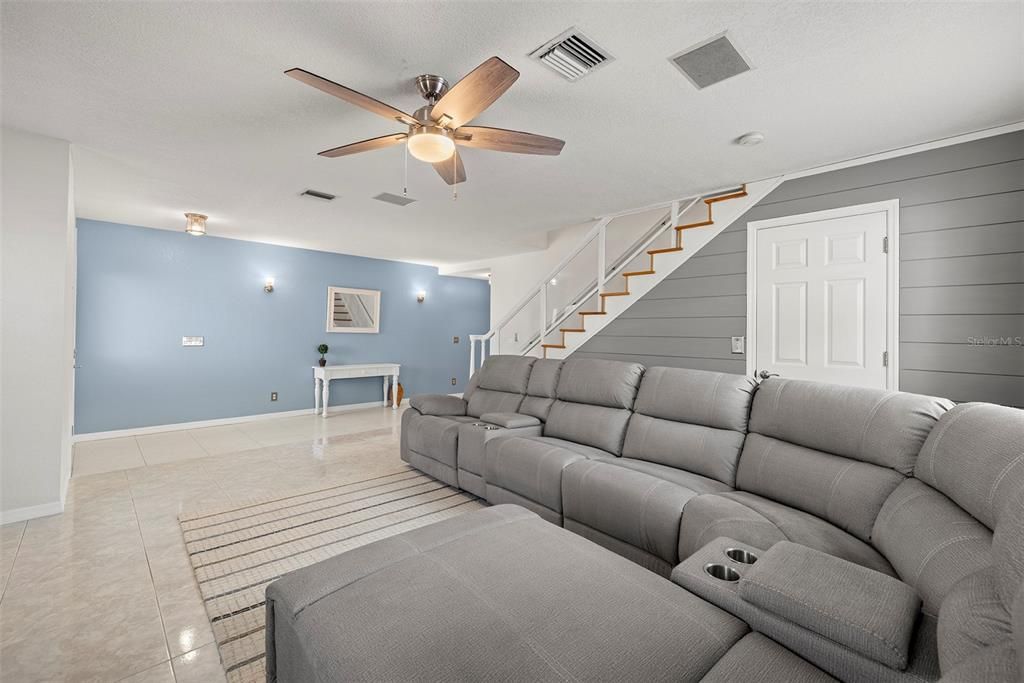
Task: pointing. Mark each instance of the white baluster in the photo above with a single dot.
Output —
(543, 311)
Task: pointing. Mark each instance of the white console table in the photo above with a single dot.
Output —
(322, 377)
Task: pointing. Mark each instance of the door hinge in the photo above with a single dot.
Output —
(885, 359)
(885, 244)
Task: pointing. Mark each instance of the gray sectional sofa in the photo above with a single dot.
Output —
(809, 531)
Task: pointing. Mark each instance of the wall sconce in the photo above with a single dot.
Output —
(195, 224)
(421, 296)
(268, 285)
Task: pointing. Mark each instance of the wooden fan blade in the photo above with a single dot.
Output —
(501, 140)
(365, 145)
(351, 96)
(474, 93)
(451, 171)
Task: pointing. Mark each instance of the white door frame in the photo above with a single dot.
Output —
(891, 208)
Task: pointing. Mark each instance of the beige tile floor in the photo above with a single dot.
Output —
(105, 592)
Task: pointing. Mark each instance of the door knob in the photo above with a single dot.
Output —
(764, 374)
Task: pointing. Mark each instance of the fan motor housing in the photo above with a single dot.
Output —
(431, 87)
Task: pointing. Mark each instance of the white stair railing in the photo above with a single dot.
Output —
(548, 319)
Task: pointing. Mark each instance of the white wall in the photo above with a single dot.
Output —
(513, 276)
(37, 262)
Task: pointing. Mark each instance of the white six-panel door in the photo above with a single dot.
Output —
(823, 287)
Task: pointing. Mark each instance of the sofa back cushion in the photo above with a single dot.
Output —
(593, 402)
(936, 529)
(540, 391)
(834, 451)
(500, 385)
(930, 541)
(691, 419)
(975, 456)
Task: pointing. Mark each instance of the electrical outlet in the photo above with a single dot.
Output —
(273, 395)
(738, 344)
(455, 340)
(454, 381)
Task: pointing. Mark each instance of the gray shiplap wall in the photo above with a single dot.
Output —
(961, 273)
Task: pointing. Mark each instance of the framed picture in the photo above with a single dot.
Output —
(353, 310)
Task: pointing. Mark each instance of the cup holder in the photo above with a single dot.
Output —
(740, 555)
(491, 428)
(721, 572)
(479, 424)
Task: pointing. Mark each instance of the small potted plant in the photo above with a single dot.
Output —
(322, 350)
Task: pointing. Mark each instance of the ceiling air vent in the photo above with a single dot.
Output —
(571, 55)
(316, 194)
(711, 61)
(398, 200)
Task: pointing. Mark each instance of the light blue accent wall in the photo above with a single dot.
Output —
(141, 290)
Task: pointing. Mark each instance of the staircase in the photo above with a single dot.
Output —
(588, 289)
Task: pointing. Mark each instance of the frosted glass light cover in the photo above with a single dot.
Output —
(431, 147)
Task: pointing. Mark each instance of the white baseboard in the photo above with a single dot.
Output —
(31, 512)
(139, 431)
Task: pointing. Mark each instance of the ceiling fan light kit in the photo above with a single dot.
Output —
(436, 128)
(431, 143)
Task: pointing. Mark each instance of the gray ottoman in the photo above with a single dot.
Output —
(497, 594)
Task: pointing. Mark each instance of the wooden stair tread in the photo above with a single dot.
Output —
(572, 329)
(665, 250)
(592, 313)
(614, 294)
(552, 346)
(701, 224)
(726, 197)
(638, 272)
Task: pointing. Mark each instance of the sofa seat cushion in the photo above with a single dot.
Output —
(531, 467)
(759, 658)
(761, 522)
(495, 594)
(631, 505)
(435, 436)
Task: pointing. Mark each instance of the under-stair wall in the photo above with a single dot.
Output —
(961, 274)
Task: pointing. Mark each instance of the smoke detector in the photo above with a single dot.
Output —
(571, 55)
(750, 139)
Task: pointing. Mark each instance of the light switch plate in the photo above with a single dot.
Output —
(455, 340)
(738, 344)
(191, 341)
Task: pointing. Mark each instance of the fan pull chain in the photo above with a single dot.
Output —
(405, 181)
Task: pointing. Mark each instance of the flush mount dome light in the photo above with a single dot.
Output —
(195, 224)
(431, 144)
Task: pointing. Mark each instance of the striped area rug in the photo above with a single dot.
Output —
(236, 552)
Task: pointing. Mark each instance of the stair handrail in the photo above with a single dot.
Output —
(597, 231)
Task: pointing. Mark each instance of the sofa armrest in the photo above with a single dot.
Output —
(438, 404)
(510, 420)
(867, 611)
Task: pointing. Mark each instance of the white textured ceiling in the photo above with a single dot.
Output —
(182, 106)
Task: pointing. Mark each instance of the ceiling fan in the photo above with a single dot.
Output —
(437, 127)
